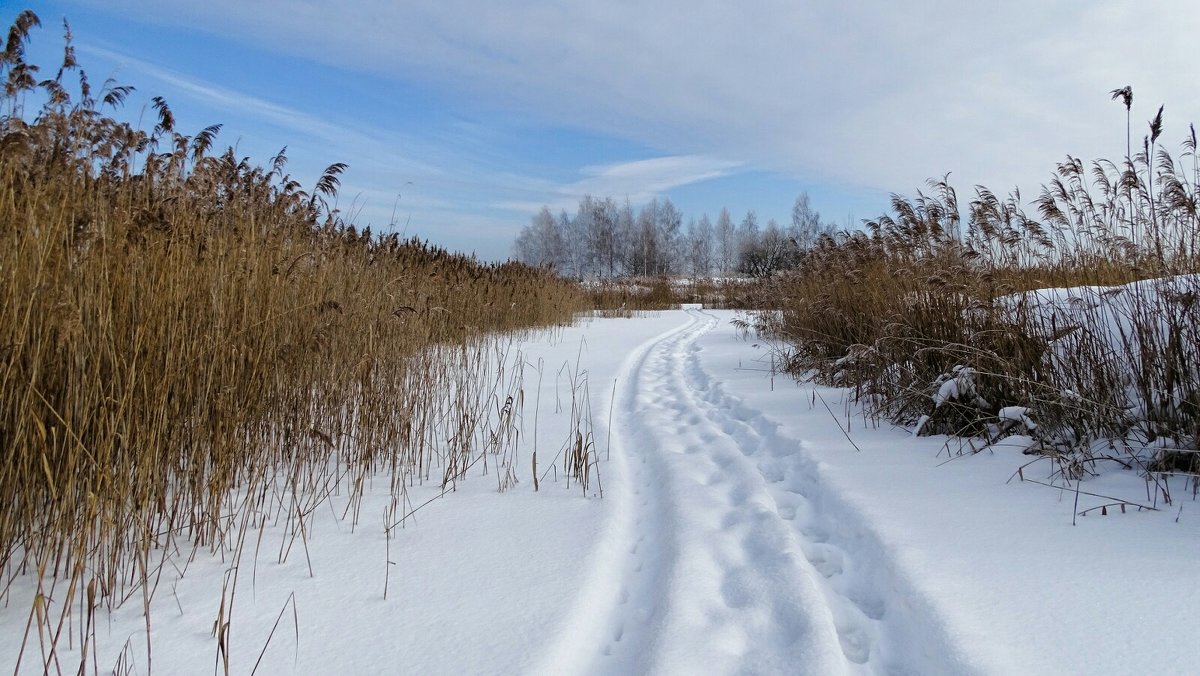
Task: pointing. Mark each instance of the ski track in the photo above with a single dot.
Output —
(719, 557)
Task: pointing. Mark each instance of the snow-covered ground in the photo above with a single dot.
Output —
(749, 524)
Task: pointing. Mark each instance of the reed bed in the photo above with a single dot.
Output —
(192, 346)
(623, 297)
(1071, 331)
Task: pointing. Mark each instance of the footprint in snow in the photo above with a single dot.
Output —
(736, 590)
(773, 472)
(873, 608)
(856, 644)
(827, 560)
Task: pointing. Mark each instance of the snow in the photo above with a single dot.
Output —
(1019, 414)
(997, 566)
(749, 524)
(959, 385)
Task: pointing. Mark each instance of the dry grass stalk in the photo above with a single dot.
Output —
(193, 347)
(922, 304)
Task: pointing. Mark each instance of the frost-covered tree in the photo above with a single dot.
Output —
(576, 256)
(806, 226)
(725, 241)
(627, 238)
(700, 246)
(644, 254)
(604, 241)
(540, 243)
(524, 248)
(669, 226)
(747, 243)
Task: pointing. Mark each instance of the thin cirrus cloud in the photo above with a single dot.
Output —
(254, 107)
(638, 181)
(871, 96)
(457, 200)
(875, 93)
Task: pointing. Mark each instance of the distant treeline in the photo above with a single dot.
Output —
(607, 239)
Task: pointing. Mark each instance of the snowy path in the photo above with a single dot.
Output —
(740, 531)
(718, 559)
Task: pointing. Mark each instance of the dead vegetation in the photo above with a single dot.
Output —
(625, 296)
(1072, 330)
(192, 346)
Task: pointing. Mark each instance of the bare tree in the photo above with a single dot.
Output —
(601, 217)
(540, 243)
(627, 238)
(726, 243)
(806, 224)
(776, 247)
(604, 239)
(644, 255)
(669, 226)
(700, 246)
(574, 253)
(583, 238)
(747, 243)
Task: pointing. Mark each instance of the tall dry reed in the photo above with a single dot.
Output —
(945, 324)
(192, 346)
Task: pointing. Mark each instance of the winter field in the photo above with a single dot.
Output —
(244, 432)
(748, 524)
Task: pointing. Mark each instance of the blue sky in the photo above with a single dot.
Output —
(462, 117)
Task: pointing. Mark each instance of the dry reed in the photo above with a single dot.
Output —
(193, 347)
(939, 323)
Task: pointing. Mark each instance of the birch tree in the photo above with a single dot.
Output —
(725, 239)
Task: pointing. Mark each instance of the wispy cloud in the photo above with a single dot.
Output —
(876, 93)
(339, 136)
(870, 97)
(385, 186)
(638, 181)
(223, 97)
